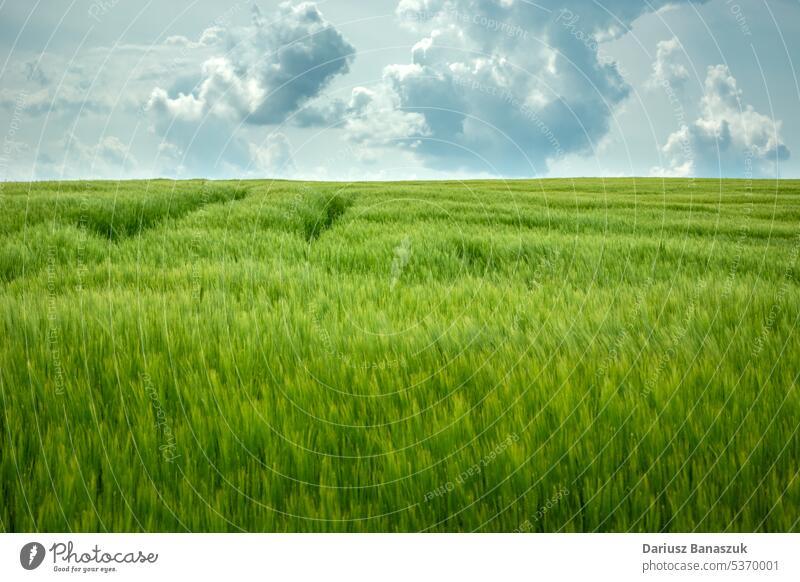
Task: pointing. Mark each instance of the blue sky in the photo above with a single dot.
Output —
(404, 89)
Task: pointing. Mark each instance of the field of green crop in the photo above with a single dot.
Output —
(556, 355)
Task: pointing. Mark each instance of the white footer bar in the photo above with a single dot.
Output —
(401, 557)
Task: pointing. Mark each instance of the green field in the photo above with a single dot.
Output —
(556, 355)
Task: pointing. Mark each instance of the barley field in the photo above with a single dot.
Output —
(543, 355)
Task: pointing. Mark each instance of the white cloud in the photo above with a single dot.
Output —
(729, 138)
(375, 119)
(268, 71)
(503, 87)
(211, 36)
(667, 70)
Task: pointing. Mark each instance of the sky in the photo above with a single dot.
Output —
(391, 90)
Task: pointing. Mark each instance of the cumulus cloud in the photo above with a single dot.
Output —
(667, 69)
(210, 37)
(194, 145)
(266, 72)
(729, 138)
(376, 120)
(504, 86)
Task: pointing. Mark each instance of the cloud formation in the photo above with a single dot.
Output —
(488, 88)
(729, 138)
(268, 70)
(503, 86)
(667, 68)
(265, 73)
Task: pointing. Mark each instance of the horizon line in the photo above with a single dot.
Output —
(409, 180)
